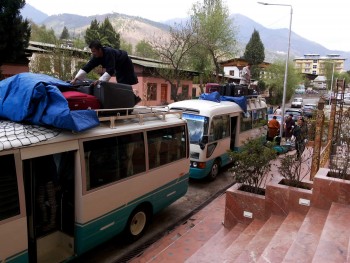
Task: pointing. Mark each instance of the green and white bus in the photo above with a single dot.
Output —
(216, 127)
(62, 196)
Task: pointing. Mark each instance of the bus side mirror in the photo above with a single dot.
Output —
(203, 141)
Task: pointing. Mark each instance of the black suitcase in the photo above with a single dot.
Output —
(114, 95)
(240, 90)
(222, 90)
(230, 89)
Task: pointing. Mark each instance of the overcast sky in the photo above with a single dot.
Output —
(324, 22)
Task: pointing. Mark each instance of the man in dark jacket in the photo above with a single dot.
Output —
(115, 61)
(300, 133)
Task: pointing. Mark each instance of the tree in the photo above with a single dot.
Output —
(274, 79)
(216, 33)
(112, 37)
(41, 34)
(174, 53)
(126, 46)
(105, 33)
(56, 63)
(144, 49)
(14, 31)
(65, 34)
(92, 32)
(255, 53)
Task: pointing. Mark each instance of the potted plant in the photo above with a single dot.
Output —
(246, 199)
(292, 192)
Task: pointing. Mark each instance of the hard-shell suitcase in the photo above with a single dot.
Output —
(222, 90)
(115, 95)
(240, 90)
(229, 90)
(81, 101)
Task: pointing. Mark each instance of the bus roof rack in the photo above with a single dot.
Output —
(140, 113)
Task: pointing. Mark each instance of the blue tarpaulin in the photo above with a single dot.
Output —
(35, 98)
(241, 101)
(215, 96)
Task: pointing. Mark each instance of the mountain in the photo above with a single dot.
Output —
(33, 14)
(134, 29)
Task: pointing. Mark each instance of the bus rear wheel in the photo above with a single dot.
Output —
(137, 223)
(214, 170)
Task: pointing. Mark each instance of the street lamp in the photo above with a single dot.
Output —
(286, 70)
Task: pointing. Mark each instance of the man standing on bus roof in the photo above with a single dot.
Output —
(245, 76)
(115, 61)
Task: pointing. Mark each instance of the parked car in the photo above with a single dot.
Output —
(347, 98)
(296, 113)
(309, 110)
(300, 89)
(311, 91)
(338, 98)
(297, 103)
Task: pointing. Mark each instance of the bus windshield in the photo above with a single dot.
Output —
(197, 127)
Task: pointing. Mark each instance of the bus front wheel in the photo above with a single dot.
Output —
(137, 223)
(214, 170)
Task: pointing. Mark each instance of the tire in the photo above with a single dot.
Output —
(214, 171)
(137, 223)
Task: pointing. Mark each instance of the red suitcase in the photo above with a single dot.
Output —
(81, 101)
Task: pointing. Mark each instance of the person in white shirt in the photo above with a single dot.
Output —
(246, 75)
(278, 111)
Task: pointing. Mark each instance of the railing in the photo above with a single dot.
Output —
(140, 113)
(325, 154)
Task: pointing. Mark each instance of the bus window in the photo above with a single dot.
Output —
(197, 127)
(166, 145)
(112, 159)
(220, 128)
(246, 121)
(9, 200)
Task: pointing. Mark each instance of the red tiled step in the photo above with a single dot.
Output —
(241, 242)
(303, 248)
(159, 246)
(334, 240)
(177, 247)
(257, 245)
(283, 238)
(215, 246)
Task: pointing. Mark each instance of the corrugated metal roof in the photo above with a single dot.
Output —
(155, 64)
(148, 64)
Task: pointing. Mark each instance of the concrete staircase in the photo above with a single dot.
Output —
(319, 236)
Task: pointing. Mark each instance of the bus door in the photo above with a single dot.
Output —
(49, 188)
(233, 132)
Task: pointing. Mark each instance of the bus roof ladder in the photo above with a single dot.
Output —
(139, 113)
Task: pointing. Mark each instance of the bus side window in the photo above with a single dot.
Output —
(9, 199)
(219, 127)
(111, 159)
(166, 146)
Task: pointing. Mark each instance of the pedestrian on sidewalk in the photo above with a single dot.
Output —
(300, 133)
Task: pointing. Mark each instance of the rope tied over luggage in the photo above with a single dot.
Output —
(14, 135)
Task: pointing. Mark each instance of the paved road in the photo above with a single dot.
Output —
(199, 193)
